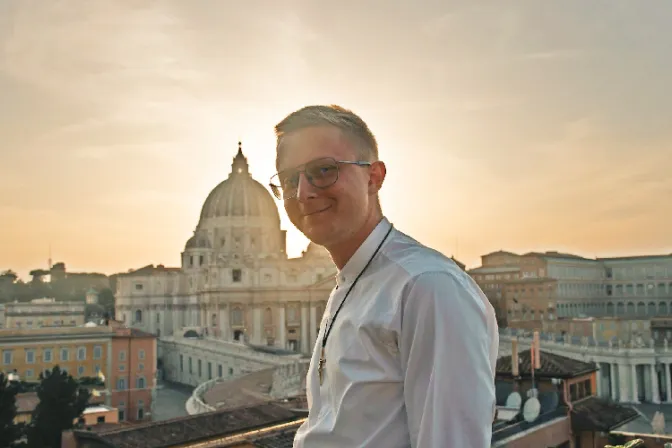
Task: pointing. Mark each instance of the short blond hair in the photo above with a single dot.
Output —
(352, 126)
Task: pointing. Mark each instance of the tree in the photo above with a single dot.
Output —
(9, 431)
(62, 402)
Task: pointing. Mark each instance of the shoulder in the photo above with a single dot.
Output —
(424, 274)
(413, 261)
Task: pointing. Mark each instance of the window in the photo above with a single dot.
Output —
(140, 383)
(122, 355)
(190, 365)
(100, 419)
(138, 286)
(209, 370)
(237, 275)
(121, 384)
(200, 371)
(138, 316)
(47, 355)
(81, 353)
(181, 363)
(80, 371)
(141, 366)
(200, 260)
(30, 356)
(237, 316)
(141, 354)
(65, 354)
(219, 371)
(122, 367)
(97, 352)
(122, 415)
(230, 370)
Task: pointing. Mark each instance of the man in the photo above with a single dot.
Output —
(406, 352)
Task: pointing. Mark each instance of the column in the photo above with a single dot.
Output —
(313, 326)
(224, 327)
(623, 374)
(598, 380)
(612, 380)
(668, 384)
(633, 380)
(305, 342)
(282, 328)
(654, 383)
(256, 313)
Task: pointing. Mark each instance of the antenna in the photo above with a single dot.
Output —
(531, 409)
(49, 265)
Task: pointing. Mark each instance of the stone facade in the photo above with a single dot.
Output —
(194, 361)
(236, 282)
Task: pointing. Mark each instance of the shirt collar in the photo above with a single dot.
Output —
(362, 255)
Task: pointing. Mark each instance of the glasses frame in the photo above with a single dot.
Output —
(277, 188)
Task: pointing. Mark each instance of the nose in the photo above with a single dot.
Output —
(304, 189)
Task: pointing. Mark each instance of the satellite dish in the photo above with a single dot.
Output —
(514, 401)
(548, 401)
(531, 410)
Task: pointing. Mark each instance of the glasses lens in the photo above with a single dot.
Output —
(322, 173)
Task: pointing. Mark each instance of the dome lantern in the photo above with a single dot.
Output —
(239, 165)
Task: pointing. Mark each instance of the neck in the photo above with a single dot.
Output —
(343, 251)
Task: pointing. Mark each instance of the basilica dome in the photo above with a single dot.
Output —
(240, 196)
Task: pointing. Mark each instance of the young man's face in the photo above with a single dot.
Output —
(328, 215)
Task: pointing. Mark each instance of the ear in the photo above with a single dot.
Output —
(377, 174)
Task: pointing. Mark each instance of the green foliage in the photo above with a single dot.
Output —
(9, 432)
(62, 402)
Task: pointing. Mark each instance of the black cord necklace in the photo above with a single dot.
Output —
(330, 325)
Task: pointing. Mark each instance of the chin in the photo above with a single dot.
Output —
(321, 235)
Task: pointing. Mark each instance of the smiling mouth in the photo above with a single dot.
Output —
(317, 211)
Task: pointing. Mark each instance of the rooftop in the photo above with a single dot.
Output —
(552, 366)
(196, 428)
(596, 414)
(250, 389)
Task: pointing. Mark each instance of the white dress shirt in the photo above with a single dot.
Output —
(410, 361)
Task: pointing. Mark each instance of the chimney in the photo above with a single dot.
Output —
(535, 347)
(514, 356)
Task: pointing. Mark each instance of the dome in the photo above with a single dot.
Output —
(240, 196)
(196, 242)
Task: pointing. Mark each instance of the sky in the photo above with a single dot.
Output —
(516, 125)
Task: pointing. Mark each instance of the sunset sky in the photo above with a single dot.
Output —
(520, 125)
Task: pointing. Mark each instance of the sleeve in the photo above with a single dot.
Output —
(445, 346)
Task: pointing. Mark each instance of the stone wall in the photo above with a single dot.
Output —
(290, 379)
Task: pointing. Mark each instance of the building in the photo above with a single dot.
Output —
(125, 358)
(636, 331)
(567, 413)
(236, 282)
(542, 286)
(237, 427)
(43, 313)
(628, 373)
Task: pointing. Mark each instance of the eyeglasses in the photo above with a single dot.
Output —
(320, 173)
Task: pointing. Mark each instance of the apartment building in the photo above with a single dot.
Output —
(45, 312)
(125, 358)
(528, 289)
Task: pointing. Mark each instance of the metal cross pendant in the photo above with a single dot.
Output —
(320, 367)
